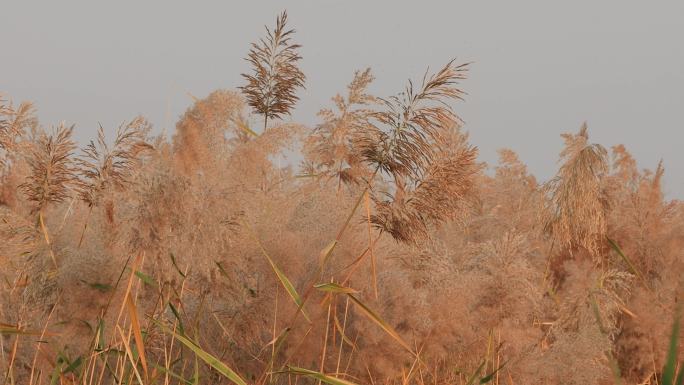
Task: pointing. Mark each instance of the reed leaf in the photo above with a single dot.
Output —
(287, 284)
(212, 361)
(137, 333)
(671, 360)
(335, 288)
(373, 316)
(317, 376)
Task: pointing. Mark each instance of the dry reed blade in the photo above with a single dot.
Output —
(373, 316)
(16, 330)
(317, 376)
(326, 253)
(332, 287)
(287, 284)
(137, 334)
(212, 361)
(129, 354)
(340, 329)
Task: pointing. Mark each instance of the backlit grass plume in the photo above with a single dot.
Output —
(102, 166)
(275, 77)
(52, 172)
(400, 142)
(437, 195)
(577, 215)
(330, 148)
(13, 123)
(208, 128)
(416, 141)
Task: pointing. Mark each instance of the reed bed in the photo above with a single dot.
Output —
(390, 255)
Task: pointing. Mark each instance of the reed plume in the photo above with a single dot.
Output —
(208, 127)
(13, 123)
(330, 148)
(400, 140)
(415, 140)
(437, 196)
(624, 167)
(52, 173)
(102, 167)
(577, 201)
(271, 87)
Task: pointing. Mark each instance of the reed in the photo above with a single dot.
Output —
(271, 88)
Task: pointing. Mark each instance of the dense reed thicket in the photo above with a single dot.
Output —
(389, 255)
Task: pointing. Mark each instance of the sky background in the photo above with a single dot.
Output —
(540, 68)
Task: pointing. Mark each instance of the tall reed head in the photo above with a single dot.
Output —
(438, 194)
(400, 142)
(13, 124)
(52, 172)
(577, 203)
(416, 141)
(102, 166)
(275, 77)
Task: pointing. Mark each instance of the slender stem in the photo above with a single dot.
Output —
(42, 335)
(342, 336)
(339, 178)
(275, 324)
(370, 247)
(325, 340)
(43, 227)
(85, 226)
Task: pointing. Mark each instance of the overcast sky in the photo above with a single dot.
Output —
(540, 67)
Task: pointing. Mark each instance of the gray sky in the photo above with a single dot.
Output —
(540, 67)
